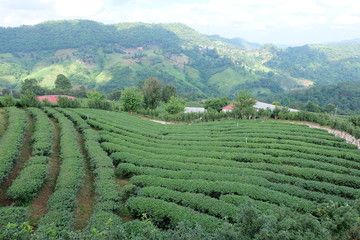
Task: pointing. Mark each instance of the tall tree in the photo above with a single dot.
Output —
(152, 92)
(175, 105)
(244, 105)
(216, 103)
(132, 99)
(32, 85)
(62, 82)
(168, 91)
(28, 99)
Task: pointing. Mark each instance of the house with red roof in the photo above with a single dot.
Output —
(53, 98)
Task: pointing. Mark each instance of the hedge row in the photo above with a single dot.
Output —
(196, 201)
(232, 167)
(30, 180)
(248, 155)
(107, 192)
(42, 136)
(167, 215)
(191, 172)
(63, 200)
(302, 172)
(218, 188)
(12, 140)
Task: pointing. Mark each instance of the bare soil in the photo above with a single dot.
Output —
(124, 213)
(86, 197)
(3, 121)
(19, 165)
(38, 207)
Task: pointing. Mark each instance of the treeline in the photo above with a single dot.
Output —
(55, 35)
(345, 98)
(309, 62)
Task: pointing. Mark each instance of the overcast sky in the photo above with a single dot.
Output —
(290, 22)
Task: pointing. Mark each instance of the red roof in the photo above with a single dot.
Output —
(230, 107)
(52, 98)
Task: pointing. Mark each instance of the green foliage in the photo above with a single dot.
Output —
(152, 90)
(65, 102)
(345, 97)
(8, 101)
(168, 215)
(168, 91)
(310, 62)
(30, 180)
(216, 103)
(243, 107)
(175, 105)
(32, 85)
(97, 100)
(42, 136)
(62, 82)
(28, 99)
(132, 99)
(11, 141)
(62, 202)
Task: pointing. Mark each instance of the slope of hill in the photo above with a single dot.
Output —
(109, 57)
(322, 64)
(133, 168)
(344, 96)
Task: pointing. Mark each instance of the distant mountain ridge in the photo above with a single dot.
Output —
(110, 57)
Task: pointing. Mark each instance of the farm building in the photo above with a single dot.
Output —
(258, 105)
(53, 98)
(194, 110)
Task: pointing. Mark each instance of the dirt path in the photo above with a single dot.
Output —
(19, 165)
(3, 121)
(86, 196)
(124, 213)
(38, 207)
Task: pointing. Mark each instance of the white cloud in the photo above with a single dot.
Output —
(78, 8)
(347, 19)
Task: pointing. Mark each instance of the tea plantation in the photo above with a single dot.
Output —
(112, 175)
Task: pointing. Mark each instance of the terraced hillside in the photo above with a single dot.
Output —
(111, 165)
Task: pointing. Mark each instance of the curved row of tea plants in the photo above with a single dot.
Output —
(107, 192)
(12, 140)
(278, 165)
(31, 178)
(63, 201)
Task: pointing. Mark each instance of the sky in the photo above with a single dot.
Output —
(287, 22)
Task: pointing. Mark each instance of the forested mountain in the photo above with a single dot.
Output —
(345, 97)
(110, 57)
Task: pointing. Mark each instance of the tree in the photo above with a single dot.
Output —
(216, 103)
(132, 99)
(152, 92)
(168, 91)
(312, 107)
(62, 82)
(32, 85)
(28, 99)
(65, 102)
(244, 105)
(96, 100)
(114, 95)
(8, 101)
(175, 105)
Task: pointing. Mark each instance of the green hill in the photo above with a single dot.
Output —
(109, 57)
